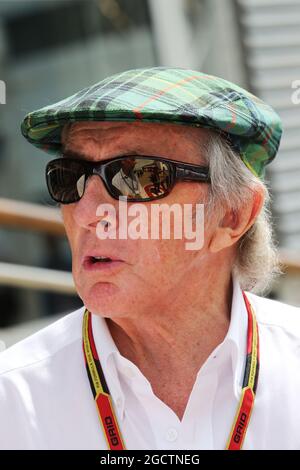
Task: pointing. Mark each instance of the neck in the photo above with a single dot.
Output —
(178, 340)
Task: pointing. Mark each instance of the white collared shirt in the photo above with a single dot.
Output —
(128, 184)
(46, 400)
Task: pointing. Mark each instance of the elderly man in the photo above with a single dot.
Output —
(179, 351)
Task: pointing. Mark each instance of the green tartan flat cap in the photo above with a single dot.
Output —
(166, 95)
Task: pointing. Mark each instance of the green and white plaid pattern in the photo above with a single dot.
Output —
(166, 95)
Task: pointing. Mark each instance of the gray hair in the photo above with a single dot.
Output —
(257, 263)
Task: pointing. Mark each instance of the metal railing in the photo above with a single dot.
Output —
(38, 218)
(30, 277)
(28, 216)
(35, 217)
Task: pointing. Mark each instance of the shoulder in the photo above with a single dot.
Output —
(275, 315)
(37, 378)
(43, 345)
(279, 379)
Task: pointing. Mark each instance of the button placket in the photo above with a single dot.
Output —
(171, 435)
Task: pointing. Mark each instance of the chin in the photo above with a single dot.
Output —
(105, 299)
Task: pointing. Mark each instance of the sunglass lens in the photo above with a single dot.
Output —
(139, 178)
(65, 180)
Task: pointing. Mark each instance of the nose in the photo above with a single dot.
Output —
(86, 209)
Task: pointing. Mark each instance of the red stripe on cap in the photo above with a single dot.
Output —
(137, 111)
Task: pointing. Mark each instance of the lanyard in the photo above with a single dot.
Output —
(103, 398)
(132, 188)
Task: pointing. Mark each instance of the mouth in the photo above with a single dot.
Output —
(100, 259)
(102, 263)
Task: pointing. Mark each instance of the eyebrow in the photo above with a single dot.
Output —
(74, 154)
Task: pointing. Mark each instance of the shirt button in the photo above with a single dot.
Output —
(171, 435)
(129, 372)
(119, 402)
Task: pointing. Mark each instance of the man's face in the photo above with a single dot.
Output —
(128, 165)
(149, 274)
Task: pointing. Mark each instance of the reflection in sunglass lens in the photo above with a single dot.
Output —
(139, 178)
(66, 181)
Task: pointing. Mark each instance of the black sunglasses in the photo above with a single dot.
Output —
(140, 178)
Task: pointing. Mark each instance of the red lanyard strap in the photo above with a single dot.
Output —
(250, 381)
(99, 388)
(103, 399)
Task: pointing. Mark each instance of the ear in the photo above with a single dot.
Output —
(235, 223)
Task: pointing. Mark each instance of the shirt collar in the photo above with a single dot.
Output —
(235, 343)
(237, 331)
(238, 334)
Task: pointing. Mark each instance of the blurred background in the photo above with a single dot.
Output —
(49, 49)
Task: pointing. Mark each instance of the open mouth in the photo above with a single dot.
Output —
(100, 259)
(97, 263)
